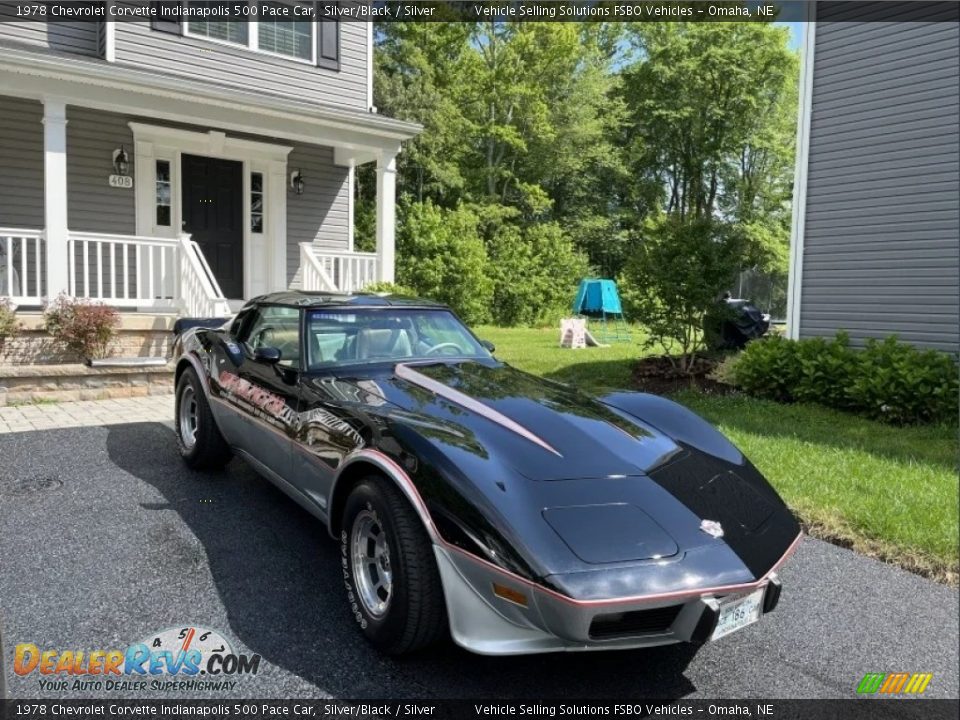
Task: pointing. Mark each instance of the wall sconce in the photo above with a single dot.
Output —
(296, 182)
(121, 161)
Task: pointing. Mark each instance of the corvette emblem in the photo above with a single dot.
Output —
(712, 528)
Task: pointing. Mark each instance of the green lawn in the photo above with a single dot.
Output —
(538, 351)
(891, 492)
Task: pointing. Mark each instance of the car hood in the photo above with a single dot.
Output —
(546, 431)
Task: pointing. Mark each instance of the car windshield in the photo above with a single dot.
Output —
(347, 337)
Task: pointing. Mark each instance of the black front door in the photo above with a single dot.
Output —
(213, 215)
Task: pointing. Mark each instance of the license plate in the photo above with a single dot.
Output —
(737, 612)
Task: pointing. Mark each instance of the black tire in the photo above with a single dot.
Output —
(415, 615)
(208, 450)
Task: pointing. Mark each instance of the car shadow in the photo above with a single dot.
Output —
(277, 572)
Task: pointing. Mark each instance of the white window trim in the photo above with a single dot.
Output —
(253, 38)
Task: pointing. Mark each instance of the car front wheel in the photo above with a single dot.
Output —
(389, 570)
(198, 438)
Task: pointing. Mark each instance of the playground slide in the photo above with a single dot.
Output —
(591, 340)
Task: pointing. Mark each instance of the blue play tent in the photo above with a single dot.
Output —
(600, 299)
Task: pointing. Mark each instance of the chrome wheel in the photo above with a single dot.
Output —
(372, 575)
(187, 419)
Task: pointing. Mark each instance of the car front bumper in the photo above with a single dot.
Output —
(537, 620)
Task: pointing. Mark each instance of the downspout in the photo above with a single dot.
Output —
(795, 281)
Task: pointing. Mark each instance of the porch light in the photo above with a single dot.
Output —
(121, 161)
(296, 182)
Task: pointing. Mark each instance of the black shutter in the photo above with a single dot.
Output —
(164, 24)
(328, 37)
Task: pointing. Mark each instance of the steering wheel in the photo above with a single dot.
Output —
(440, 346)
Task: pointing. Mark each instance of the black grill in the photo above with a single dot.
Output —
(635, 622)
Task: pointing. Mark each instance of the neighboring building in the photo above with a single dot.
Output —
(876, 237)
(240, 140)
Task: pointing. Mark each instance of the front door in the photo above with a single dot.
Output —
(213, 215)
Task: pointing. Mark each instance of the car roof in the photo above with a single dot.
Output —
(300, 298)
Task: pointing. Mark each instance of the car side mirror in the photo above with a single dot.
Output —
(489, 345)
(269, 355)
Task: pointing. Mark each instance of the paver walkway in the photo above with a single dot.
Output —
(47, 416)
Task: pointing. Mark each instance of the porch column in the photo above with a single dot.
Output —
(55, 195)
(386, 215)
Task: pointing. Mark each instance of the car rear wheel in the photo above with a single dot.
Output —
(389, 570)
(201, 445)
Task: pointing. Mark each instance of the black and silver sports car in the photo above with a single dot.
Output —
(520, 514)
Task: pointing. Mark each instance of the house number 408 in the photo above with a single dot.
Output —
(121, 181)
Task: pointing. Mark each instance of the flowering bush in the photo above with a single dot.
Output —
(86, 328)
(8, 320)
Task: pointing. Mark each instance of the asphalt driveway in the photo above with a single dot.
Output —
(105, 538)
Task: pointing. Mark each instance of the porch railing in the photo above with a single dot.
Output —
(23, 260)
(200, 294)
(336, 271)
(124, 270)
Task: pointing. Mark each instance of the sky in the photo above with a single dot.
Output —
(796, 33)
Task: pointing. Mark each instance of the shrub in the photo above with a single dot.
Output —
(85, 328)
(887, 380)
(8, 320)
(767, 368)
(441, 255)
(534, 271)
(900, 384)
(390, 288)
(677, 272)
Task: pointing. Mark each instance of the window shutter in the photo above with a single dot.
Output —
(164, 24)
(328, 38)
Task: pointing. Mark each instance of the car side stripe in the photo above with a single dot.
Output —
(410, 375)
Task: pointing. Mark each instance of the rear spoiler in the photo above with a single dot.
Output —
(184, 324)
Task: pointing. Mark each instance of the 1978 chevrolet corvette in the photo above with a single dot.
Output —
(520, 514)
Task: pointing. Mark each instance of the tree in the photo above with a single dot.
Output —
(710, 142)
(673, 276)
(441, 255)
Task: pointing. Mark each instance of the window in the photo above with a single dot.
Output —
(287, 28)
(256, 202)
(276, 327)
(293, 38)
(337, 337)
(163, 193)
(230, 32)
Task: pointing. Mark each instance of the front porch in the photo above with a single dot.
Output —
(188, 201)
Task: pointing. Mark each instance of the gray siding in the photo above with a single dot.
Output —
(148, 49)
(21, 163)
(320, 215)
(92, 205)
(79, 38)
(882, 232)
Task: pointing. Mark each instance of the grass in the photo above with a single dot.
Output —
(538, 351)
(886, 491)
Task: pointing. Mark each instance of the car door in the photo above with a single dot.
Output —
(265, 388)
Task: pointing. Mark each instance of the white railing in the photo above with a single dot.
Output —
(200, 294)
(23, 276)
(124, 270)
(313, 276)
(336, 271)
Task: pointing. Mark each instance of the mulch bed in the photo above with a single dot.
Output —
(659, 376)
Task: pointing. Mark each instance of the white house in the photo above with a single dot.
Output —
(185, 165)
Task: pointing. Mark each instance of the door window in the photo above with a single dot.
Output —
(276, 327)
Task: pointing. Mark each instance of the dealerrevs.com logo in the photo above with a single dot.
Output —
(176, 659)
